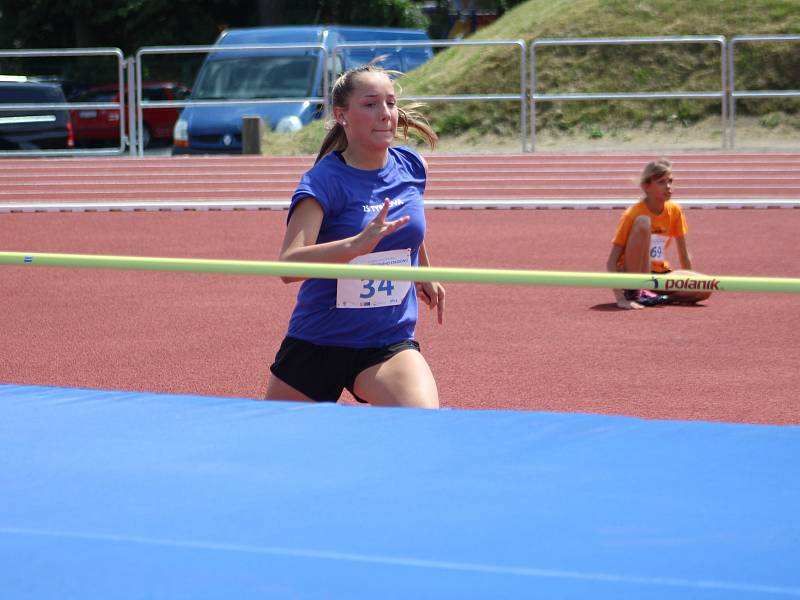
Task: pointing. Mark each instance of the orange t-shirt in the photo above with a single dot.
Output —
(669, 224)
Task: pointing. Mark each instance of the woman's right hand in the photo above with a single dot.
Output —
(377, 229)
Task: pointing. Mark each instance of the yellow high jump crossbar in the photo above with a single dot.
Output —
(669, 282)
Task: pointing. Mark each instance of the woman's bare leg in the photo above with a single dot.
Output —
(403, 380)
(280, 390)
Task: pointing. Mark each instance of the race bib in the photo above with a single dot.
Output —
(658, 244)
(372, 293)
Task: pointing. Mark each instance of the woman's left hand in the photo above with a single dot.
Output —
(432, 294)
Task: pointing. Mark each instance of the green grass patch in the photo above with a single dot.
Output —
(613, 69)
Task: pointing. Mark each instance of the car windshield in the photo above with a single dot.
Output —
(247, 78)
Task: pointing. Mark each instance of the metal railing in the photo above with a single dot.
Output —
(60, 53)
(132, 130)
(130, 89)
(219, 48)
(752, 93)
(721, 93)
(521, 97)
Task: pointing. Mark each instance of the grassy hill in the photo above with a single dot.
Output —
(636, 68)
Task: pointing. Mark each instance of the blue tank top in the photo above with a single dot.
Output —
(350, 198)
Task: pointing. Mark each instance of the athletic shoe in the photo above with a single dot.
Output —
(646, 297)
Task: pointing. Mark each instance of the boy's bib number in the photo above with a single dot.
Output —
(657, 245)
(372, 293)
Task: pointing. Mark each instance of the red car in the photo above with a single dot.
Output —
(94, 127)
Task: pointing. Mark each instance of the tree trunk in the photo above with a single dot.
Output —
(83, 32)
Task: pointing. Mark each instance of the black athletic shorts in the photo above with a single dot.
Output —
(323, 372)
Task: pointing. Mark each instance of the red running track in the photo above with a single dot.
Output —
(734, 359)
(452, 177)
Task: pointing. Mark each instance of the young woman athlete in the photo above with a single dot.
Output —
(361, 202)
(644, 233)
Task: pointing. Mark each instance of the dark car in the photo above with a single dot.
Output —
(101, 126)
(45, 129)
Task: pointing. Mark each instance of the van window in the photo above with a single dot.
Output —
(249, 77)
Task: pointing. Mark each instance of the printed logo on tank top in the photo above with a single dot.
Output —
(377, 207)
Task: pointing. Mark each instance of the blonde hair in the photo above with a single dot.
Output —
(407, 117)
(655, 169)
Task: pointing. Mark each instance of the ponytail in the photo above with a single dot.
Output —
(409, 118)
(334, 140)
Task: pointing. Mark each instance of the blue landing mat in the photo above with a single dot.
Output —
(117, 495)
